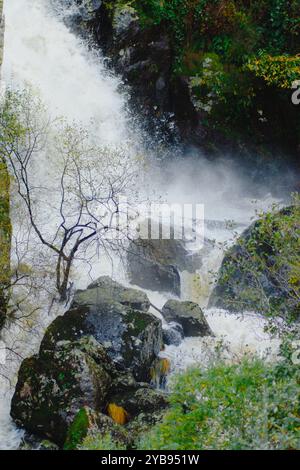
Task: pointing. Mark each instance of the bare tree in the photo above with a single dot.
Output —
(78, 207)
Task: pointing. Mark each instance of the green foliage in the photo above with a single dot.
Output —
(77, 431)
(231, 407)
(280, 71)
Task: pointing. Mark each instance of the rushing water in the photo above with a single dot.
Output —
(74, 82)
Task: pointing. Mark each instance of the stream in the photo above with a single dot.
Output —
(74, 81)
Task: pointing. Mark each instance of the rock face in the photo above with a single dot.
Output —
(53, 386)
(156, 264)
(189, 315)
(254, 276)
(100, 350)
(132, 338)
(143, 57)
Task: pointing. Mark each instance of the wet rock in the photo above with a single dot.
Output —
(189, 315)
(124, 19)
(156, 264)
(106, 289)
(77, 11)
(256, 282)
(132, 338)
(55, 385)
(144, 408)
(173, 334)
(100, 349)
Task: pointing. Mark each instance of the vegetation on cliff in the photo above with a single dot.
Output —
(5, 240)
(261, 271)
(240, 60)
(5, 225)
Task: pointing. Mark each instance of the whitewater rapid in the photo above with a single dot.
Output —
(74, 82)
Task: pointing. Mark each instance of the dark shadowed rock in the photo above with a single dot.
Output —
(54, 386)
(156, 264)
(173, 334)
(255, 275)
(189, 315)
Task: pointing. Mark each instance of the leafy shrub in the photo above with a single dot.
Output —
(249, 405)
(280, 71)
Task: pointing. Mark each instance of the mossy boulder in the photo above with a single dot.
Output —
(55, 385)
(100, 348)
(189, 315)
(261, 271)
(105, 288)
(131, 337)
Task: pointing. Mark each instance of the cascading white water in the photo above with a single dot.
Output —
(73, 82)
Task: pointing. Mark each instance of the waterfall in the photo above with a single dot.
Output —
(74, 82)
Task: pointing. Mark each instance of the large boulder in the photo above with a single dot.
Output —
(106, 289)
(132, 338)
(102, 349)
(156, 264)
(259, 273)
(55, 385)
(189, 315)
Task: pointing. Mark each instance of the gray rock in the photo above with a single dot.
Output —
(132, 338)
(156, 264)
(189, 315)
(55, 385)
(105, 289)
(143, 400)
(173, 334)
(245, 285)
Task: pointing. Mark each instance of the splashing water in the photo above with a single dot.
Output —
(73, 82)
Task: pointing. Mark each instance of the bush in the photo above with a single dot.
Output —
(250, 405)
